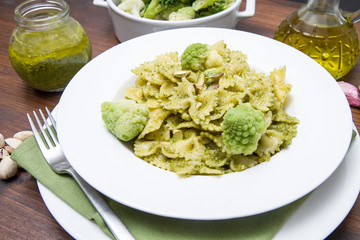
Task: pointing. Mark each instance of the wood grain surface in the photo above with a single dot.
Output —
(23, 214)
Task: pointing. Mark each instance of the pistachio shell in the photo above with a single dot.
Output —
(13, 142)
(8, 168)
(2, 141)
(23, 135)
(9, 149)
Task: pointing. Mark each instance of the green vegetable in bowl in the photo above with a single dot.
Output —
(124, 118)
(205, 8)
(242, 128)
(161, 9)
(174, 10)
(184, 13)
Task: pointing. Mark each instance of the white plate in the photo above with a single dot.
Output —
(316, 99)
(316, 218)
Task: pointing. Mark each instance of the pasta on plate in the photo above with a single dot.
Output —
(185, 132)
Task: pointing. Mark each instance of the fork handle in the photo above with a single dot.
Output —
(117, 228)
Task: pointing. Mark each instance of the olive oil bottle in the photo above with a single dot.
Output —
(320, 30)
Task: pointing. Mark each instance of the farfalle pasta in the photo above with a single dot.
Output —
(184, 130)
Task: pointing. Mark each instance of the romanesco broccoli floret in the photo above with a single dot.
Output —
(124, 118)
(194, 57)
(242, 128)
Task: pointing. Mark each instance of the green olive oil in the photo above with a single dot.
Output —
(330, 41)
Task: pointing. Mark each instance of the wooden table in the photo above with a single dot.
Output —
(23, 214)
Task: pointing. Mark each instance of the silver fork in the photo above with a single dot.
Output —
(56, 159)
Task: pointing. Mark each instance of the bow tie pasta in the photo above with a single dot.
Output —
(208, 112)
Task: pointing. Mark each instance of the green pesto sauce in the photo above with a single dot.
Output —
(47, 61)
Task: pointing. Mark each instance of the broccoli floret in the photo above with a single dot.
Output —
(194, 57)
(184, 13)
(208, 7)
(153, 9)
(242, 128)
(161, 9)
(201, 4)
(124, 118)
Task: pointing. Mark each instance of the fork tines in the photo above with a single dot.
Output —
(52, 139)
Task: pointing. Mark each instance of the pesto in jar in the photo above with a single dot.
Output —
(47, 59)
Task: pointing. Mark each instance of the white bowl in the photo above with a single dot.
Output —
(127, 26)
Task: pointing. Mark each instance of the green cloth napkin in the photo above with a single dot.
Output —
(147, 226)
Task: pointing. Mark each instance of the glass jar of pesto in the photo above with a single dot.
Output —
(47, 47)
